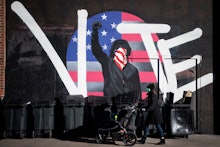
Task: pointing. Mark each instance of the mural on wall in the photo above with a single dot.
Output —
(129, 27)
(108, 34)
(150, 54)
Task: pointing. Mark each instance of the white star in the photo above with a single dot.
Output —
(74, 39)
(113, 25)
(104, 17)
(112, 39)
(88, 33)
(88, 47)
(105, 47)
(104, 33)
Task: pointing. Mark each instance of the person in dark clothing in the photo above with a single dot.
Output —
(120, 76)
(154, 115)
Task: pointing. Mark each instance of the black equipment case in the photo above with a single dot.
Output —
(43, 117)
(15, 118)
(73, 112)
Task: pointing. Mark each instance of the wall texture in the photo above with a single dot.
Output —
(2, 47)
(30, 74)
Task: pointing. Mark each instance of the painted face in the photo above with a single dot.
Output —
(120, 57)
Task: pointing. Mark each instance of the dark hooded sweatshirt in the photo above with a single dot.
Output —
(116, 81)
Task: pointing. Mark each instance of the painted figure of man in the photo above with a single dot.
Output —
(120, 76)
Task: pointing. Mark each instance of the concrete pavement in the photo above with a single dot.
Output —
(194, 140)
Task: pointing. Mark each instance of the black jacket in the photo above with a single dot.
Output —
(154, 115)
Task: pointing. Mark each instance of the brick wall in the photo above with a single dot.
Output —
(2, 46)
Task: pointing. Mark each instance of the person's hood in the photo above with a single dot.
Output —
(120, 43)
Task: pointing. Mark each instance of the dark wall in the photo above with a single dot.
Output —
(216, 69)
(31, 75)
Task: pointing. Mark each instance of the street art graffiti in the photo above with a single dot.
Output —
(156, 53)
(108, 34)
(22, 12)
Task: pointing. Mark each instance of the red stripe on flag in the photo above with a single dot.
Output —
(131, 37)
(97, 76)
(160, 56)
(143, 94)
(155, 37)
(73, 75)
(92, 76)
(129, 17)
(147, 77)
(89, 93)
(139, 54)
(137, 37)
(139, 60)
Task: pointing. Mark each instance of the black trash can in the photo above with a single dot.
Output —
(179, 116)
(97, 113)
(73, 113)
(43, 118)
(15, 118)
(181, 120)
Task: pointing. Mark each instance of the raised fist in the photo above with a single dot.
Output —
(96, 25)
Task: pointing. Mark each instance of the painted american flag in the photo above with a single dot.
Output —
(108, 34)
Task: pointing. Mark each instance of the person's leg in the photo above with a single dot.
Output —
(146, 131)
(161, 133)
(160, 130)
(144, 137)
